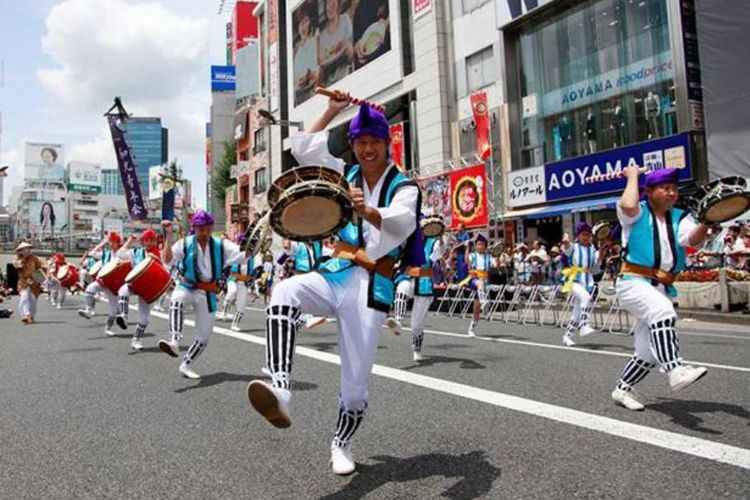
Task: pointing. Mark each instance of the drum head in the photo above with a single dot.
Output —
(433, 229)
(62, 272)
(111, 266)
(311, 211)
(96, 268)
(601, 230)
(722, 210)
(139, 269)
(302, 174)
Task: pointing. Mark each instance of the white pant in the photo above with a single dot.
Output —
(57, 292)
(236, 291)
(358, 326)
(581, 304)
(204, 320)
(420, 308)
(649, 305)
(144, 308)
(27, 302)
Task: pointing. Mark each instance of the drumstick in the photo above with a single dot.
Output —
(354, 100)
(611, 176)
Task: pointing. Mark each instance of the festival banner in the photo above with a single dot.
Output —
(397, 145)
(436, 196)
(126, 165)
(468, 187)
(482, 122)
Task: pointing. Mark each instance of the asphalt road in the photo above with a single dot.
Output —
(511, 414)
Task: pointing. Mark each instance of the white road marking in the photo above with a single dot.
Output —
(702, 448)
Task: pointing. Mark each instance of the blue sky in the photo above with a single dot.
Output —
(66, 60)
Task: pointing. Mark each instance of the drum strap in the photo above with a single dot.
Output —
(347, 251)
(240, 277)
(664, 277)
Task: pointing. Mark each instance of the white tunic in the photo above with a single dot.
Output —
(232, 255)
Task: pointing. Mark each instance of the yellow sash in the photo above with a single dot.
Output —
(571, 273)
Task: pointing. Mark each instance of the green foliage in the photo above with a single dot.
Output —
(220, 180)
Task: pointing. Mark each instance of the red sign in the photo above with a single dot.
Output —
(481, 119)
(421, 7)
(397, 145)
(469, 197)
(244, 25)
(509, 232)
(273, 21)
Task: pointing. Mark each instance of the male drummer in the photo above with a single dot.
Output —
(239, 276)
(355, 286)
(655, 235)
(583, 258)
(480, 263)
(136, 256)
(57, 292)
(201, 259)
(28, 289)
(416, 281)
(103, 252)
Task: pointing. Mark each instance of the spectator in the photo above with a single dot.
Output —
(537, 260)
(521, 267)
(555, 267)
(734, 250)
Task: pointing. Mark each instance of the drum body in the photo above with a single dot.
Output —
(112, 276)
(68, 276)
(432, 227)
(309, 203)
(723, 199)
(149, 280)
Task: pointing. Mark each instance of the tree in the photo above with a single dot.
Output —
(221, 180)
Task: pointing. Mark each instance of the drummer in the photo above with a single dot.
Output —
(355, 286)
(57, 292)
(416, 282)
(135, 256)
(480, 264)
(306, 258)
(239, 276)
(28, 288)
(655, 234)
(198, 284)
(583, 259)
(103, 252)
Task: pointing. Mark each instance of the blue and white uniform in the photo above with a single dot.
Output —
(583, 260)
(237, 290)
(104, 256)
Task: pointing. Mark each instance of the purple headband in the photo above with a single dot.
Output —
(369, 121)
(202, 218)
(661, 176)
(482, 238)
(582, 227)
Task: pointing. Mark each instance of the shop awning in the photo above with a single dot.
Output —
(563, 208)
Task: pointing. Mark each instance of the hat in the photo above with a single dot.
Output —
(23, 246)
(369, 121)
(554, 249)
(58, 258)
(202, 218)
(148, 234)
(661, 176)
(115, 238)
(521, 245)
(582, 227)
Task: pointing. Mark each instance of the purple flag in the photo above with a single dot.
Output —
(126, 164)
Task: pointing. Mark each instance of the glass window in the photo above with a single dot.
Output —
(481, 70)
(597, 77)
(260, 181)
(259, 140)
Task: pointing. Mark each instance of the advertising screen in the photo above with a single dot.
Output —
(48, 218)
(334, 38)
(44, 162)
(84, 177)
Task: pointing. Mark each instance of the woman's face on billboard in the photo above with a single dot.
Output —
(47, 158)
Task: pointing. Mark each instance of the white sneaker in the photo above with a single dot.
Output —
(109, 333)
(59, 306)
(471, 333)
(586, 330)
(170, 347)
(394, 325)
(270, 402)
(314, 321)
(567, 341)
(235, 328)
(342, 462)
(187, 372)
(684, 375)
(220, 316)
(84, 313)
(265, 371)
(417, 356)
(136, 345)
(626, 399)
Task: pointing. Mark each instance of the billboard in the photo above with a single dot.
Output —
(332, 39)
(47, 218)
(84, 177)
(154, 186)
(469, 197)
(223, 78)
(44, 162)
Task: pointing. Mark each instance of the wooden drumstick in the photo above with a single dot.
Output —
(611, 176)
(354, 100)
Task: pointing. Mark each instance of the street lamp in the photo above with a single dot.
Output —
(264, 113)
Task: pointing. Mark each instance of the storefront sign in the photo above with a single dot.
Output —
(223, 78)
(526, 187)
(565, 179)
(469, 197)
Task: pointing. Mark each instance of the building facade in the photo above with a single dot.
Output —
(148, 142)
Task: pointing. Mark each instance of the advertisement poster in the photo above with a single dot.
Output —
(397, 145)
(333, 39)
(48, 218)
(44, 162)
(436, 196)
(84, 177)
(469, 197)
